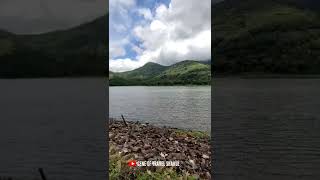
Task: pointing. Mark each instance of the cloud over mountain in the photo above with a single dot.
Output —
(163, 33)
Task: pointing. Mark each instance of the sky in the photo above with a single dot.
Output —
(38, 16)
(160, 31)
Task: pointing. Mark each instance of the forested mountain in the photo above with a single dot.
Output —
(266, 36)
(79, 51)
(182, 73)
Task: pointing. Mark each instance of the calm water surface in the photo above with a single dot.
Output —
(175, 106)
(55, 124)
(266, 129)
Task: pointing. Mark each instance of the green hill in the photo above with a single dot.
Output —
(79, 51)
(266, 36)
(182, 73)
(147, 71)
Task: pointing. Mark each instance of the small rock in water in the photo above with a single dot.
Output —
(149, 155)
(163, 154)
(178, 156)
(145, 142)
(203, 163)
(111, 135)
(204, 156)
(208, 175)
(193, 154)
(160, 149)
(193, 164)
(146, 146)
(135, 149)
(125, 150)
(125, 145)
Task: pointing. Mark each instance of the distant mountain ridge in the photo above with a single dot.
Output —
(150, 69)
(78, 51)
(182, 73)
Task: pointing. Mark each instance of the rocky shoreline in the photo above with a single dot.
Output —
(145, 142)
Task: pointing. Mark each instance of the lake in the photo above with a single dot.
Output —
(262, 128)
(266, 129)
(186, 107)
(55, 124)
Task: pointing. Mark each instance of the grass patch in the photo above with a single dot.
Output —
(118, 169)
(167, 174)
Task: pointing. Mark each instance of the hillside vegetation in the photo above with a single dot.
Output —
(80, 51)
(266, 36)
(182, 73)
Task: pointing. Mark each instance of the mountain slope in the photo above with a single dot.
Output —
(79, 51)
(182, 73)
(267, 36)
(148, 70)
(190, 72)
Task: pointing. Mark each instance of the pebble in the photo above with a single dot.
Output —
(147, 142)
(204, 156)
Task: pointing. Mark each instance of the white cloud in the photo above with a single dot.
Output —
(146, 13)
(121, 65)
(117, 48)
(119, 27)
(157, 25)
(116, 51)
(137, 49)
(121, 3)
(119, 23)
(161, 11)
(179, 32)
(119, 14)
